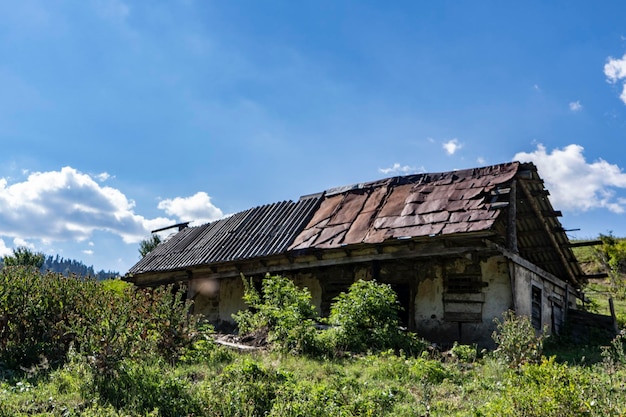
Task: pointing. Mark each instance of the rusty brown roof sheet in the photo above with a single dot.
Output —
(406, 207)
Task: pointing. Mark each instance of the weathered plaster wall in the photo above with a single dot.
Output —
(308, 280)
(219, 299)
(498, 294)
(466, 317)
(205, 293)
(553, 297)
(231, 298)
(437, 304)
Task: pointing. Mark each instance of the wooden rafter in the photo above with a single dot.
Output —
(548, 229)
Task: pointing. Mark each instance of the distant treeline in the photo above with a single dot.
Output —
(70, 266)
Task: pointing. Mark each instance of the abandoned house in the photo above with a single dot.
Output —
(459, 248)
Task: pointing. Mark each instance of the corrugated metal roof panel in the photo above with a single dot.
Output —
(257, 232)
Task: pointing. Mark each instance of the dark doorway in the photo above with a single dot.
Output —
(404, 298)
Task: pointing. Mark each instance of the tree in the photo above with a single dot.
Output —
(612, 255)
(148, 244)
(22, 256)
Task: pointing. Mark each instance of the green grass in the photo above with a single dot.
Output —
(264, 383)
(124, 374)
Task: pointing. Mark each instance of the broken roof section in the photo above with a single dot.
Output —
(406, 207)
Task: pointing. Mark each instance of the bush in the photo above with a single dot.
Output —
(517, 341)
(464, 353)
(366, 318)
(43, 315)
(36, 315)
(284, 311)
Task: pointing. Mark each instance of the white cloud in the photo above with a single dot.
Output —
(398, 169)
(4, 250)
(452, 146)
(575, 106)
(576, 184)
(197, 208)
(102, 177)
(88, 252)
(615, 70)
(68, 205)
(481, 160)
(19, 242)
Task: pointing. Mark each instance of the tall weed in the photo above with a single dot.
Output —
(517, 341)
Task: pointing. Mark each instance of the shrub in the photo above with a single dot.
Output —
(43, 315)
(464, 353)
(36, 315)
(284, 311)
(517, 341)
(429, 371)
(366, 318)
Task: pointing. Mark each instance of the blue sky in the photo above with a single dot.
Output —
(118, 117)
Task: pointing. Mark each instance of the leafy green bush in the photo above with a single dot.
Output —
(429, 371)
(36, 315)
(43, 315)
(366, 318)
(517, 341)
(464, 353)
(284, 311)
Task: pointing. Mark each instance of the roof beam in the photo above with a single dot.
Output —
(549, 231)
(595, 276)
(511, 227)
(298, 265)
(585, 243)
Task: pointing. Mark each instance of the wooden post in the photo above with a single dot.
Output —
(612, 307)
(512, 220)
(566, 302)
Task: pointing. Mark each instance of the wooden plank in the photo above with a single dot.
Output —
(418, 253)
(586, 243)
(511, 227)
(463, 317)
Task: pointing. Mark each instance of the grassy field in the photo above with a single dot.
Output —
(228, 383)
(113, 351)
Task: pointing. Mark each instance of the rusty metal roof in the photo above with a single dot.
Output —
(406, 207)
(257, 232)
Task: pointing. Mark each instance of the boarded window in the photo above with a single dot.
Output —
(464, 283)
(536, 307)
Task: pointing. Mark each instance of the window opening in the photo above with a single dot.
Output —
(536, 307)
